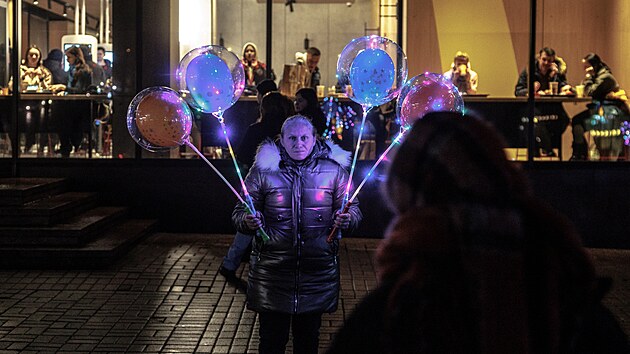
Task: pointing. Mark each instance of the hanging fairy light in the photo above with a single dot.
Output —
(338, 118)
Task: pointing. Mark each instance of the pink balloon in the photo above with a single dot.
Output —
(426, 93)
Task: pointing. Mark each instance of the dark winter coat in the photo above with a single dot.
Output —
(481, 279)
(296, 271)
(600, 84)
(560, 78)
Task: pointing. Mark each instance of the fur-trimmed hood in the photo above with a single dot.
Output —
(271, 153)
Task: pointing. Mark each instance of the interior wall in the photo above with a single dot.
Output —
(485, 41)
(423, 50)
(620, 40)
(56, 30)
(37, 34)
(328, 27)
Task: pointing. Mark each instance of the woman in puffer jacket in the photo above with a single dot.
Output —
(297, 186)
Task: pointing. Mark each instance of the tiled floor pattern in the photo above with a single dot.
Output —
(166, 296)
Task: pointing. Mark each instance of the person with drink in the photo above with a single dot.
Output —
(548, 68)
(255, 70)
(600, 84)
(462, 76)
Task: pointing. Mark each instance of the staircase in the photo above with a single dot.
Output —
(42, 225)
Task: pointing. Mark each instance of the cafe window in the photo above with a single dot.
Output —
(54, 117)
(325, 26)
(493, 36)
(435, 37)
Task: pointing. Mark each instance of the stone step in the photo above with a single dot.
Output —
(48, 210)
(97, 253)
(19, 191)
(73, 231)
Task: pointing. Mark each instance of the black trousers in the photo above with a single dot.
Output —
(274, 332)
(74, 120)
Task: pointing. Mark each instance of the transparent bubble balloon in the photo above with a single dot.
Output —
(375, 67)
(159, 119)
(210, 78)
(428, 92)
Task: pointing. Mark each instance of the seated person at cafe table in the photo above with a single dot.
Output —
(461, 75)
(549, 71)
(255, 70)
(600, 84)
(549, 68)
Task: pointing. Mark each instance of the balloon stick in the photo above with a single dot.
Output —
(356, 192)
(378, 162)
(219, 116)
(356, 153)
(260, 231)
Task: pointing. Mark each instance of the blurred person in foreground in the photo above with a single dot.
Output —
(297, 185)
(473, 262)
(461, 75)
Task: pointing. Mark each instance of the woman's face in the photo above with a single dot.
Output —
(32, 57)
(250, 53)
(100, 55)
(300, 103)
(587, 66)
(71, 58)
(298, 140)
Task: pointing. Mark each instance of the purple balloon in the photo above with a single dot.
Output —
(428, 92)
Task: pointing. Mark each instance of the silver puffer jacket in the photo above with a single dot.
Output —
(296, 271)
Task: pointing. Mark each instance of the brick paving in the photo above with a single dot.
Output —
(166, 296)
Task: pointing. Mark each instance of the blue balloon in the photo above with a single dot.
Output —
(210, 83)
(372, 75)
(375, 67)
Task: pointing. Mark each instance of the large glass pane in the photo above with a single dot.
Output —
(65, 79)
(599, 34)
(325, 27)
(442, 35)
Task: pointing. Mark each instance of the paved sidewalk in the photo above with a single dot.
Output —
(166, 296)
